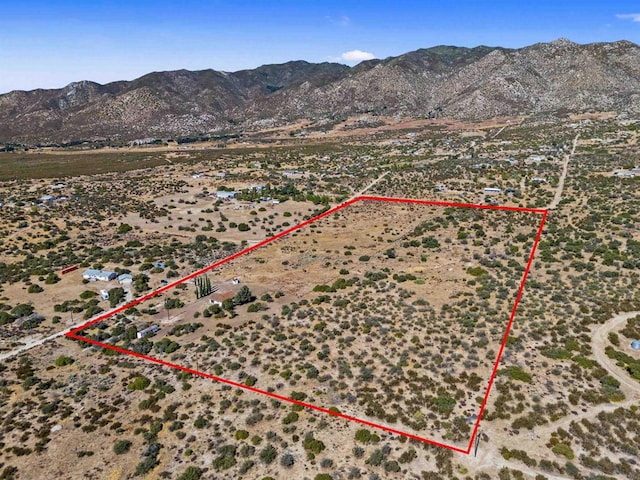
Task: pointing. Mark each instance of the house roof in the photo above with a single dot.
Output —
(97, 273)
(222, 296)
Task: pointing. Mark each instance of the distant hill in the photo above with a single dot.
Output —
(465, 83)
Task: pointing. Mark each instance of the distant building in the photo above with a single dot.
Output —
(538, 180)
(491, 190)
(47, 200)
(159, 264)
(537, 158)
(225, 195)
(439, 188)
(125, 279)
(147, 331)
(624, 173)
(93, 275)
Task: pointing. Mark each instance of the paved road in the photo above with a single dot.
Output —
(565, 167)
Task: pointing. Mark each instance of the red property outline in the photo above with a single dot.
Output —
(73, 333)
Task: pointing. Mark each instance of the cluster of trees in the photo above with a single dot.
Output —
(203, 286)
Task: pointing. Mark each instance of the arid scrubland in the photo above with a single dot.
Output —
(392, 313)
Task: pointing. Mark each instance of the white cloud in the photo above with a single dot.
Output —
(634, 17)
(342, 21)
(357, 56)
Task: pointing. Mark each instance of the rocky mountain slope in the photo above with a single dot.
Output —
(465, 83)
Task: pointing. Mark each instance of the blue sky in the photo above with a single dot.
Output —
(50, 43)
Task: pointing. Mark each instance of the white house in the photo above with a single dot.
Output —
(93, 275)
(224, 195)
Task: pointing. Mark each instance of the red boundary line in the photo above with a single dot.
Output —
(73, 332)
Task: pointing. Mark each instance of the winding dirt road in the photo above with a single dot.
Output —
(599, 341)
(489, 454)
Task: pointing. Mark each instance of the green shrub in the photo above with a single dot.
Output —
(241, 434)
(139, 383)
(191, 473)
(290, 418)
(363, 435)
(563, 449)
(268, 454)
(121, 447)
(476, 271)
(62, 361)
(35, 288)
(516, 373)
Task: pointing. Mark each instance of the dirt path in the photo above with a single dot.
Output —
(35, 342)
(361, 192)
(498, 132)
(489, 454)
(599, 341)
(565, 167)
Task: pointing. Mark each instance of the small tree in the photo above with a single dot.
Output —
(116, 295)
(243, 296)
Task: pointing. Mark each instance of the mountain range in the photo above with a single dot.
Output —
(553, 78)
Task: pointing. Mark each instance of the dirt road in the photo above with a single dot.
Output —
(489, 455)
(361, 192)
(565, 167)
(34, 342)
(600, 340)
